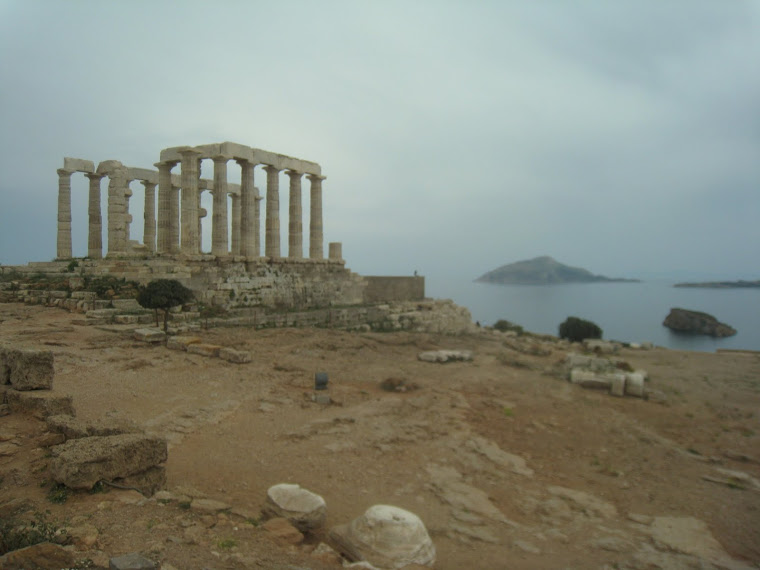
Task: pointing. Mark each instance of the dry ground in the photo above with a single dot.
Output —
(489, 453)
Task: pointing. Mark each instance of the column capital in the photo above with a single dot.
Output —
(94, 176)
(220, 159)
(190, 152)
(294, 173)
(272, 169)
(64, 172)
(148, 184)
(170, 163)
(316, 177)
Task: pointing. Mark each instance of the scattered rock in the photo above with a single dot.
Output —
(445, 356)
(386, 537)
(28, 369)
(684, 320)
(152, 335)
(210, 350)
(74, 428)
(181, 342)
(132, 561)
(209, 506)
(235, 356)
(326, 554)
(42, 555)
(601, 346)
(584, 502)
(304, 509)
(80, 463)
(283, 532)
(398, 385)
(588, 379)
(634, 384)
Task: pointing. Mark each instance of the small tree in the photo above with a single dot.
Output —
(575, 329)
(164, 294)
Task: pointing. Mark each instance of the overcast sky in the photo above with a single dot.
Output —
(623, 137)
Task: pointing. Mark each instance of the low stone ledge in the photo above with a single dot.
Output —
(151, 335)
(181, 342)
(236, 356)
(210, 350)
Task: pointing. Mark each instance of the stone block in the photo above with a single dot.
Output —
(149, 481)
(5, 365)
(445, 356)
(236, 356)
(211, 350)
(149, 335)
(29, 369)
(617, 385)
(282, 532)
(74, 428)
(588, 379)
(125, 319)
(126, 305)
(181, 342)
(80, 463)
(40, 403)
(634, 384)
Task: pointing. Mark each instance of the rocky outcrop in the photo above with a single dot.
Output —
(386, 537)
(26, 369)
(694, 322)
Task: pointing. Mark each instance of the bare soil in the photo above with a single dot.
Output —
(487, 453)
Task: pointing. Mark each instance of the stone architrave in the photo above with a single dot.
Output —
(316, 247)
(190, 236)
(219, 227)
(149, 216)
(272, 243)
(295, 224)
(248, 244)
(168, 214)
(235, 233)
(95, 221)
(63, 249)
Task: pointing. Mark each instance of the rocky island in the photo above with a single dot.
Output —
(741, 284)
(694, 322)
(543, 270)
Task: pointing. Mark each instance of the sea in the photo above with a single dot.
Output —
(627, 312)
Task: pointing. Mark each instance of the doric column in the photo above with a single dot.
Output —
(95, 218)
(295, 223)
(149, 216)
(118, 222)
(257, 221)
(316, 249)
(63, 245)
(127, 216)
(190, 236)
(272, 243)
(235, 241)
(168, 210)
(248, 240)
(219, 228)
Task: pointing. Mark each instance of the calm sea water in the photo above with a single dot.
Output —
(631, 312)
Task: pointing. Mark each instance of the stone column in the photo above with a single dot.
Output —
(190, 236)
(272, 243)
(149, 216)
(168, 211)
(295, 223)
(248, 240)
(63, 245)
(127, 216)
(117, 210)
(316, 249)
(219, 228)
(95, 221)
(257, 221)
(235, 237)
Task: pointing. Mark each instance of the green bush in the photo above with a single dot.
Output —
(504, 326)
(575, 329)
(16, 534)
(164, 294)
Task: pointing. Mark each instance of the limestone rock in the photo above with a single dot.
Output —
(211, 350)
(634, 384)
(588, 504)
(181, 342)
(149, 335)
(684, 320)
(132, 561)
(589, 379)
(80, 463)
(601, 346)
(209, 505)
(40, 403)
(236, 356)
(45, 555)
(386, 537)
(445, 356)
(304, 509)
(74, 428)
(29, 369)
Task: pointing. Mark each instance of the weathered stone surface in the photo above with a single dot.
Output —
(684, 320)
(634, 384)
(148, 482)
(209, 505)
(149, 335)
(44, 556)
(386, 537)
(445, 356)
(29, 369)
(210, 350)
(236, 356)
(5, 365)
(584, 502)
(617, 385)
(589, 379)
(132, 561)
(181, 342)
(40, 403)
(283, 532)
(601, 346)
(80, 463)
(592, 363)
(74, 428)
(304, 509)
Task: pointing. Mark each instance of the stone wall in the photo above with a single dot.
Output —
(382, 289)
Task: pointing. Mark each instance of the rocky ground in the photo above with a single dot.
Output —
(507, 464)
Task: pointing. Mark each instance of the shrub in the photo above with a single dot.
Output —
(575, 329)
(164, 294)
(504, 326)
(15, 534)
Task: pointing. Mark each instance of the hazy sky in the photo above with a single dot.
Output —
(623, 137)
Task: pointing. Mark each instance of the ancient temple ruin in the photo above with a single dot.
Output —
(175, 228)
